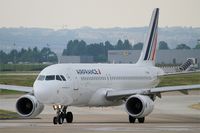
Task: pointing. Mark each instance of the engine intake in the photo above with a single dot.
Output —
(139, 106)
(28, 106)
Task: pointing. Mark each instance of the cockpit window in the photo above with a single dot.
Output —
(58, 78)
(50, 77)
(41, 77)
(63, 78)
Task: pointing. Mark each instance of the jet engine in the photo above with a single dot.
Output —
(28, 106)
(139, 106)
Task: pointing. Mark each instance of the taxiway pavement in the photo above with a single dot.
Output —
(171, 114)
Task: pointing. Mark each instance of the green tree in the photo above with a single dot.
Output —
(52, 57)
(97, 50)
(69, 49)
(48, 56)
(29, 55)
(123, 45)
(119, 45)
(22, 55)
(64, 52)
(197, 46)
(82, 49)
(108, 46)
(35, 55)
(75, 47)
(163, 45)
(182, 46)
(127, 45)
(138, 46)
(3, 57)
(13, 56)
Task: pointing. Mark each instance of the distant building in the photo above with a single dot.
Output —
(123, 56)
(75, 59)
(163, 56)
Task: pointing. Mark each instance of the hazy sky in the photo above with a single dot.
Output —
(97, 13)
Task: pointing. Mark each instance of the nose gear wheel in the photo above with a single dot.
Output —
(62, 115)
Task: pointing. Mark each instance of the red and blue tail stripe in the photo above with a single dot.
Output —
(152, 40)
(148, 53)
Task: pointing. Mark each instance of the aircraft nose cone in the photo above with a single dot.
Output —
(40, 93)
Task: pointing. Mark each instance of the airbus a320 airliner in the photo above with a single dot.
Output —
(99, 85)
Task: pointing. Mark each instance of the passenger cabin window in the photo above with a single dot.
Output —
(50, 77)
(63, 78)
(41, 77)
(58, 78)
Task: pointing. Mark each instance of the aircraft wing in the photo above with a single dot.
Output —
(16, 88)
(120, 94)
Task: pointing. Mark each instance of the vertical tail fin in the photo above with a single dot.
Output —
(148, 53)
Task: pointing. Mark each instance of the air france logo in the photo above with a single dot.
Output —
(88, 71)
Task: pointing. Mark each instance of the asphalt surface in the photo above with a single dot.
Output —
(171, 114)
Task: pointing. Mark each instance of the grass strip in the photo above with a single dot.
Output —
(195, 106)
(5, 114)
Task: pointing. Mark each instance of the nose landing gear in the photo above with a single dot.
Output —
(62, 115)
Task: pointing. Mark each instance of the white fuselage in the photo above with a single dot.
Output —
(85, 82)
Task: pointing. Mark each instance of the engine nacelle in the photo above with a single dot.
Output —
(139, 106)
(28, 106)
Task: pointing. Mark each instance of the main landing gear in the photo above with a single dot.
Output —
(62, 115)
(132, 119)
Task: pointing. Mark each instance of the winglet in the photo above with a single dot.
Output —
(148, 53)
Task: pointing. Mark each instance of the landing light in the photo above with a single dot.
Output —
(55, 107)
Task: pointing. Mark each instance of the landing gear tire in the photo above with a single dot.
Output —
(69, 117)
(141, 120)
(55, 120)
(62, 114)
(60, 119)
(131, 119)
